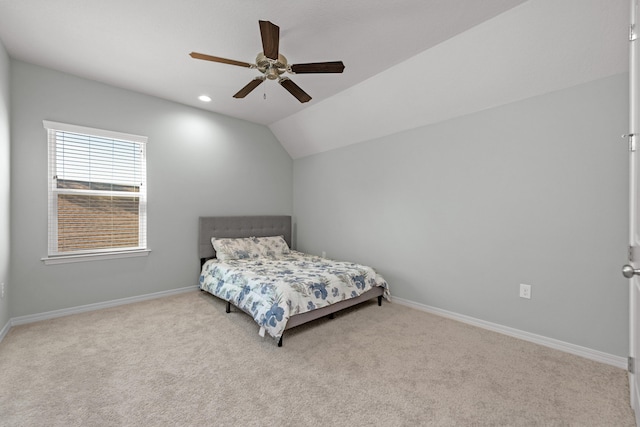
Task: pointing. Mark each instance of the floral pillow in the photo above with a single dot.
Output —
(249, 247)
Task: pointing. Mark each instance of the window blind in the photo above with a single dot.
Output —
(97, 190)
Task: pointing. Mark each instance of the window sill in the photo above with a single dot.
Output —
(66, 259)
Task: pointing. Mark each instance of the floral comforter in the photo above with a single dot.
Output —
(271, 289)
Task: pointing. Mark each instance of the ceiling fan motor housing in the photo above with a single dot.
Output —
(270, 68)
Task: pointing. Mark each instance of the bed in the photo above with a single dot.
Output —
(284, 288)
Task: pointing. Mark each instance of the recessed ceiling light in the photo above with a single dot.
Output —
(204, 98)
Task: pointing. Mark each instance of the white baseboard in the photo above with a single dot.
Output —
(5, 330)
(21, 320)
(598, 356)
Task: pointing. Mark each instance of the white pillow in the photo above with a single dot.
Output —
(249, 247)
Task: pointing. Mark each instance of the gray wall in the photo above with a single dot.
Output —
(4, 183)
(198, 163)
(458, 214)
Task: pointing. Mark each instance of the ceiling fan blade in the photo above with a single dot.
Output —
(270, 39)
(249, 87)
(295, 90)
(318, 67)
(196, 55)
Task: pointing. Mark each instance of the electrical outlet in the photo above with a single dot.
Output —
(324, 254)
(2, 290)
(525, 291)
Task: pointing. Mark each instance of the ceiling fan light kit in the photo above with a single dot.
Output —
(272, 69)
(272, 65)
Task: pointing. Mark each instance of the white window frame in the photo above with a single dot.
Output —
(56, 257)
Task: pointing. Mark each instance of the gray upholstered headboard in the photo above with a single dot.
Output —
(240, 226)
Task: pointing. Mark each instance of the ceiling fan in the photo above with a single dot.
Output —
(272, 64)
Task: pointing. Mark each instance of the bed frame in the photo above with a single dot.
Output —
(263, 226)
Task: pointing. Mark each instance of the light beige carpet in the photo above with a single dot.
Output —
(182, 361)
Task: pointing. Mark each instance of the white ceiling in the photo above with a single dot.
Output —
(535, 48)
(408, 63)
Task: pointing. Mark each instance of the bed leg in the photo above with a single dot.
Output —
(379, 300)
(228, 307)
(280, 341)
(332, 316)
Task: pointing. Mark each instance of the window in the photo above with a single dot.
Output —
(97, 193)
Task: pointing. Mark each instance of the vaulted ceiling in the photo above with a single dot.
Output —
(408, 63)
